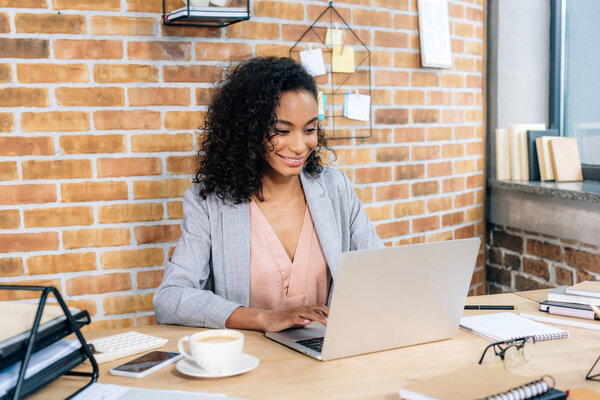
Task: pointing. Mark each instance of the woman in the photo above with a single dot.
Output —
(265, 224)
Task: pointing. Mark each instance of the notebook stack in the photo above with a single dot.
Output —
(573, 301)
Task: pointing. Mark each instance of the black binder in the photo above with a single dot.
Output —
(22, 346)
(534, 164)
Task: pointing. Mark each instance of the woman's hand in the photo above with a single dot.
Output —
(297, 317)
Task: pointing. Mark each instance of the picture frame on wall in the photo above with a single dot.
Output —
(434, 33)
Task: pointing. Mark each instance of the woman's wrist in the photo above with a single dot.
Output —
(248, 318)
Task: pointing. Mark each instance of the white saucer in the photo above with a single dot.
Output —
(246, 363)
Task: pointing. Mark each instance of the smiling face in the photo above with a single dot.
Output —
(296, 134)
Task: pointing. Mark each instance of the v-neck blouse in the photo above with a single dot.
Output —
(278, 283)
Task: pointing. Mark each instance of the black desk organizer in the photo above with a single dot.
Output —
(213, 21)
(38, 339)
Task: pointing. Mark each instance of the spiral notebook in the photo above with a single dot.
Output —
(507, 326)
(482, 382)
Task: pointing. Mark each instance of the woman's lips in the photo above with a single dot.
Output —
(292, 161)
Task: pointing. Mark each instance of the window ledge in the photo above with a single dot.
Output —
(581, 191)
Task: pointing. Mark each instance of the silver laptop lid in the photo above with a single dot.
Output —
(400, 296)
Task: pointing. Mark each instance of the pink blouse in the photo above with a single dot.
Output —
(276, 282)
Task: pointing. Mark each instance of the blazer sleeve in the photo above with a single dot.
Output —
(184, 296)
(362, 232)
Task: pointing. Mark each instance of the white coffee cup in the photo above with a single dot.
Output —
(214, 350)
(198, 3)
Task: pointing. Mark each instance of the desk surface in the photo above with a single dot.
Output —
(287, 374)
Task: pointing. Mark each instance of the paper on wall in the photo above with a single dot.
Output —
(312, 60)
(333, 37)
(358, 107)
(342, 59)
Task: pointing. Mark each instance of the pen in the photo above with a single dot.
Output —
(596, 310)
(490, 307)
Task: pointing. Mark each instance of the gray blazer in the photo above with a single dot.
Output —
(208, 276)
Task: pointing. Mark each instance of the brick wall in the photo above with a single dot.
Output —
(98, 109)
(522, 260)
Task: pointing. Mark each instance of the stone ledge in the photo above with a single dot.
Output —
(581, 191)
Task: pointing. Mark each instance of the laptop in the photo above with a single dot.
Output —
(388, 298)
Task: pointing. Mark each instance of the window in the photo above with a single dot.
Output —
(575, 77)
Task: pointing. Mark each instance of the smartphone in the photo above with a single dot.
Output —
(146, 364)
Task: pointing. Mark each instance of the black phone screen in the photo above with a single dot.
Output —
(146, 361)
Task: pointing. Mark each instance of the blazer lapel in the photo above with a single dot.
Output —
(324, 220)
(236, 251)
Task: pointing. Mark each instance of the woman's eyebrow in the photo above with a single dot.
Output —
(283, 121)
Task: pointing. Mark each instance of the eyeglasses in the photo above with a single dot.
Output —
(513, 352)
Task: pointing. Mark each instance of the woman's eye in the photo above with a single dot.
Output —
(311, 130)
(281, 131)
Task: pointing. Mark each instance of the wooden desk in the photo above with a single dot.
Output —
(286, 374)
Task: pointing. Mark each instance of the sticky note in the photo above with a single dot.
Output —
(342, 59)
(359, 107)
(321, 103)
(333, 37)
(312, 60)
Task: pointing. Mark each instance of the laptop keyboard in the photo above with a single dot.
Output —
(315, 344)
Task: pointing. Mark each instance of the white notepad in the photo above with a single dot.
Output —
(507, 326)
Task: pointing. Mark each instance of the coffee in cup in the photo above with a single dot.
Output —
(213, 350)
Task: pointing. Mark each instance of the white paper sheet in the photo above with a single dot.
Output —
(100, 391)
(358, 107)
(312, 60)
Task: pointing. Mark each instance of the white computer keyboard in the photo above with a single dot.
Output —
(124, 344)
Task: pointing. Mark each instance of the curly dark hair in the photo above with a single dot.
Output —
(241, 115)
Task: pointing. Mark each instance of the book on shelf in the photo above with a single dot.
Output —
(560, 294)
(568, 309)
(535, 164)
(519, 160)
(508, 326)
(542, 146)
(566, 163)
(479, 382)
(502, 154)
(585, 288)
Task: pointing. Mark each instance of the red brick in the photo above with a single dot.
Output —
(409, 171)
(454, 218)
(425, 188)
(182, 164)
(474, 181)
(272, 50)
(425, 116)
(391, 39)
(184, 119)
(464, 232)
(175, 209)
(24, 242)
(424, 79)
(24, 3)
(392, 154)
(453, 150)
(439, 98)
(192, 73)
(57, 169)
(127, 120)
(425, 152)
(373, 174)
(105, 237)
(89, 144)
(402, 135)
(152, 6)
(95, 284)
(223, 51)
(87, 5)
(107, 73)
(11, 266)
(88, 49)
(23, 97)
(8, 170)
(61, 263)
(402, 97)
(93, 191)
(391, 116)
(156, 233)
(24, 48)
(453, 184)
(21, 194)
(190, 31)
(159, 96)
(6, 295)
(403, 209)
(391, 78)
(50, 23)
(24, 146)
(146, 257)
(160, 189)
(582, 259)
(5, 73)
(439, 169)
(371, 18)
(52, 73)
(147, 143)
(127, 304)
(90, 96)
(130, 213)
(120, 323)
(56, 121)
(463, 200)
(9, 219)
(6, 122)
(536, 267)
(255, 30)
(407, 60)
(64, 216)
(376, 213)
(392, 229)
(127, 26)
(159, 51)
(149, 279)
(425, 224)
(113, 167)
